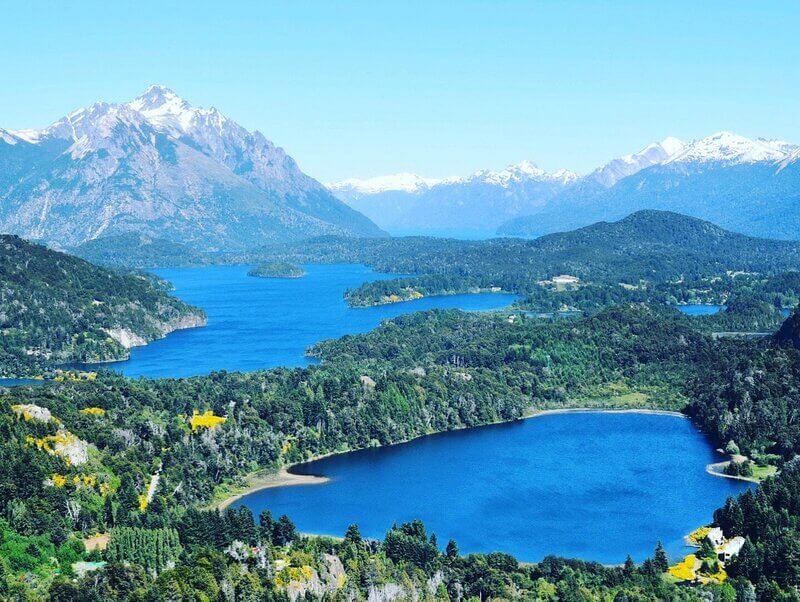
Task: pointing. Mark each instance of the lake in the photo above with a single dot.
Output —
(589, 485)
(257, 323)
(700, 309)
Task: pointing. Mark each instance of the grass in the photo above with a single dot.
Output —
(762, 472)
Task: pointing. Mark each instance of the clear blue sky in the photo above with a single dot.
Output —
(438, 88)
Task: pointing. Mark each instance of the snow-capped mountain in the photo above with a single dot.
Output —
(159, 166)
(476, 203)
(731, 149)
(354, 188)
(627, 165)
(751, 186)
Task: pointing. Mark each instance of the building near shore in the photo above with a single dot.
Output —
(730, 548)
(716, 537)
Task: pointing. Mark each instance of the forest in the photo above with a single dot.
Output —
(56, 308)
(139, 465)
(740, 392)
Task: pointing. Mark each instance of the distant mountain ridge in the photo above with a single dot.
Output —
(160, 167)
(704, 178)
(478, 202)
(749, 186)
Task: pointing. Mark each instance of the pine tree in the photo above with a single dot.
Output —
(660, 558)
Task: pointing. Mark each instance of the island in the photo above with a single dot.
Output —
(277, 269)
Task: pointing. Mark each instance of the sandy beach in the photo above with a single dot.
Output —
(259, 481)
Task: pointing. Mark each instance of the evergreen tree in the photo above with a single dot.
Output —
(660, 559)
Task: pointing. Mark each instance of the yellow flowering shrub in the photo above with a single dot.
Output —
(93, 411)
(59, 480)
(698, 535)
(205, 420)
(684, 570)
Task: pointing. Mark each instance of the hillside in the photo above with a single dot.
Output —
(161, 167)
(132, 250)
(57, 308)
(648, 246)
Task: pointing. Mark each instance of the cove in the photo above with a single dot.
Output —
(258, 323)
(589, 485)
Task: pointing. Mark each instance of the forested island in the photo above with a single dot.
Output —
(277, 269)
(57, 308)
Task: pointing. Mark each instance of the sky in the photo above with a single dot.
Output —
(359, 89)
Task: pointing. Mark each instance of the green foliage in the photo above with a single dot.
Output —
(277, 269)
(56, 308)
(153, 549)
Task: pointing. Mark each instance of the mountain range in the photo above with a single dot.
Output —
(750, 186)
(160, 167)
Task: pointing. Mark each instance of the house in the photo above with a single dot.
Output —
(565, 279)
(716, 537)
(730, 548)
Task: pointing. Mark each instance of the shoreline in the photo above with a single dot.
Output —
(283, 477)
(270, 480)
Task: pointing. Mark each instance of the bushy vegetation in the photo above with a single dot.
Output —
(277, 269)
(158, 452)
(55, 308)
(424, 372)
(642, 251)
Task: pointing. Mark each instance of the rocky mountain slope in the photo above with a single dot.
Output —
(160, 167)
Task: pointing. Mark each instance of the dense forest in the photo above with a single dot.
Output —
(56, 308)
(133, 250)
(277, 269)
(106, 485)
(646, 249)
(413, 375)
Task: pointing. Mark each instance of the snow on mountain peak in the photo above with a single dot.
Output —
(627, 165)
(165, 109)
(672, 145)
(524, 170)
(729, 148)
(8, 137)
(405, 182)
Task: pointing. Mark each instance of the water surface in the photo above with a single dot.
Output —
(700, 309)
(589, 485)
(256, 323)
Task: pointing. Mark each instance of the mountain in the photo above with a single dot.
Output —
(58, 308)
(750, 186)
(650, 245)
(627, 165)
(160, 167)
(477, 203)
(485, 200)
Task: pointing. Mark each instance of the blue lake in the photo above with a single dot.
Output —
(256, 323)
(700, 310)
(589, 485)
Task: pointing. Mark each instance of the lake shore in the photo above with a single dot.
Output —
(268, 480)
(285, 478)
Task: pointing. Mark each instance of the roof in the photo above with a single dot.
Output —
(732, 546)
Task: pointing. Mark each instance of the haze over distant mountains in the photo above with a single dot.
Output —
(746, 185)
(161, 167)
